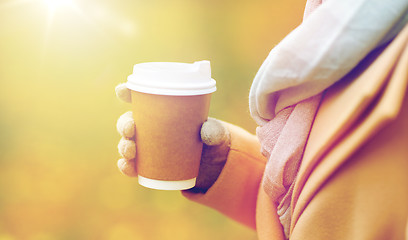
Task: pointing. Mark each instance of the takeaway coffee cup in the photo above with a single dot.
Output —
(170, 102)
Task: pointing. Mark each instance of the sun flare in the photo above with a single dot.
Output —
(57, 4)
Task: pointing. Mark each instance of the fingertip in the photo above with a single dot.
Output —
(126, 125)
(127, 148)
(129, 129)
(213, 132)
(123, 93)
(127, 167)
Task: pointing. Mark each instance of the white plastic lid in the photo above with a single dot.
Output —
(172, 78)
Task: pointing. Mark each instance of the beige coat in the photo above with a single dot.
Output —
(353, 179)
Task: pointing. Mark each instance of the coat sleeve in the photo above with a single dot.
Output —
(235, 192)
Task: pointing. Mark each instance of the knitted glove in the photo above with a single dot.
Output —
(214, 134)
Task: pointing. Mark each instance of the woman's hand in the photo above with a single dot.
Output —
(214, 135)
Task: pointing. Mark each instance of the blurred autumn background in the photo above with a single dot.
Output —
(60, 61)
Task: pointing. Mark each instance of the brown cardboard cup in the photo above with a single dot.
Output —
(170, 102)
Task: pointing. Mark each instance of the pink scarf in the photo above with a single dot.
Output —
(283, 140)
